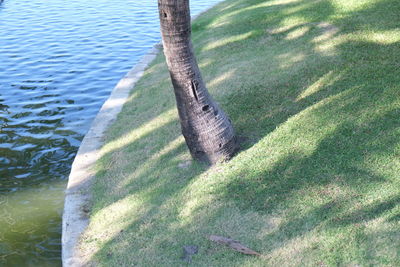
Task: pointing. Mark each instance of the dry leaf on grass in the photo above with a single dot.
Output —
(233, 244)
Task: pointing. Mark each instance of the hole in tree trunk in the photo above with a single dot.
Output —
(205, 108)
(216, 112)
(220, 145)
(165, 15)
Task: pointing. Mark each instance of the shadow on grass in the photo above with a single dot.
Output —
(341, 158)
(342, 90)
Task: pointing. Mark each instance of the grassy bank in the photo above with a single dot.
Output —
(313, 90)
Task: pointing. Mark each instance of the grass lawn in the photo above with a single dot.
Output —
(313, 91)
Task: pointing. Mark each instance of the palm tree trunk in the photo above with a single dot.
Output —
(207, 130)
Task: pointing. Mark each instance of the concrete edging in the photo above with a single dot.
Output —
(77, 196)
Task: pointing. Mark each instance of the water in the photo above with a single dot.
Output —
(59, 60)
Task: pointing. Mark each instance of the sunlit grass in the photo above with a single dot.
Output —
(312, 88)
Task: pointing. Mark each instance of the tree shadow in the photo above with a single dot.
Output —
(338, 158)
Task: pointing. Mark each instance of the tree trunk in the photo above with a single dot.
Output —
(207, 130)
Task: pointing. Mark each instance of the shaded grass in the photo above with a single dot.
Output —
(312, 88)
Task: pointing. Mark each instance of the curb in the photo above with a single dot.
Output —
(77, 195)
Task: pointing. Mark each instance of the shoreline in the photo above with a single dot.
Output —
(77, 196)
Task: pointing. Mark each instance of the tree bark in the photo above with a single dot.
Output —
(207, 130)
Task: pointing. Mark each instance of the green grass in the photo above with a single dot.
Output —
(313, 90)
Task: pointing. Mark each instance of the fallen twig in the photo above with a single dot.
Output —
(235, 245)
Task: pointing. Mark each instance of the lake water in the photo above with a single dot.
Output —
(59, 61)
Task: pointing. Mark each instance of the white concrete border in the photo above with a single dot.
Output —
(77, 195)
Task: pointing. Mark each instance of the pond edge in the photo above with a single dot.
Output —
(77, 195)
